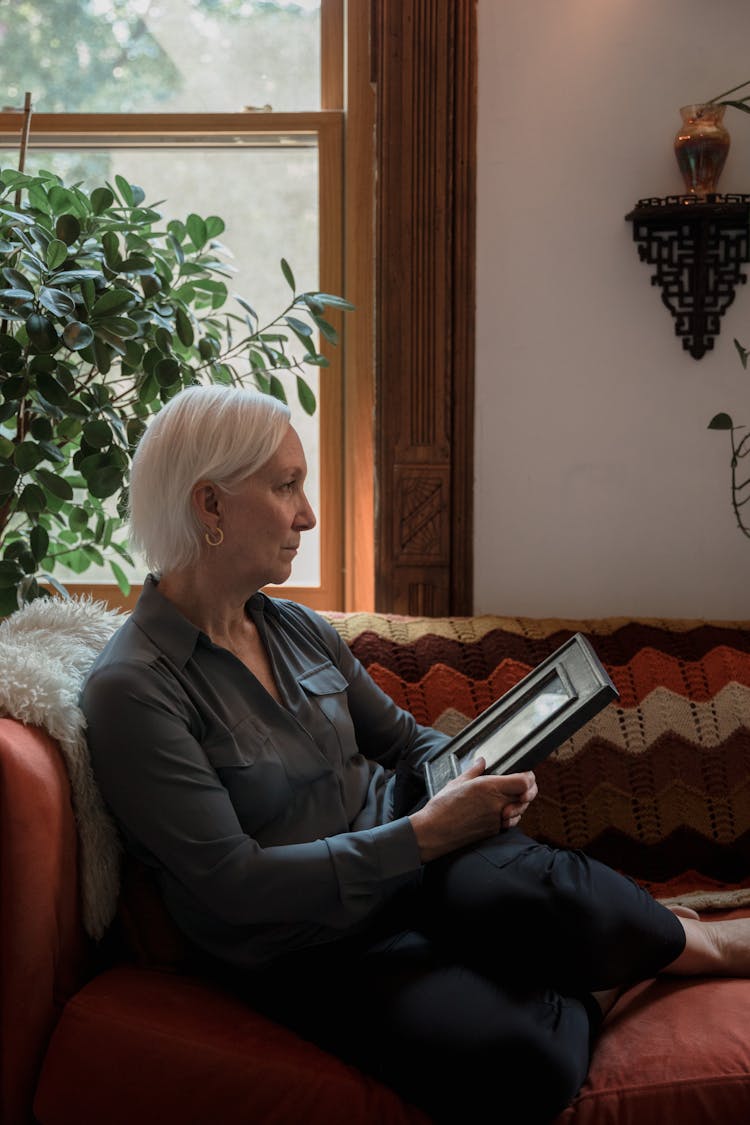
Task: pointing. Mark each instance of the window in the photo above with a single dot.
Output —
(226, 107)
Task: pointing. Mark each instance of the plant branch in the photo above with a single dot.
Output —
(741, 86)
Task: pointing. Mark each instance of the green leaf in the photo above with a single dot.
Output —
(42, 333)
(39, 542)
(327, 330)
(69, 277)
(167, 371)
(98, 433)
(77, 335)
(56, 300)
(120, 577)
(101, 200)
(184, 327)
(8, 479)
(113, 300)
(27, 456)
(125, 190)
(301, 327)
(52, 452)
(288, 275)
(32, 500)
(51, 389)
(67, 229)
(306, 396)
(215, 226)
(330, 299)
(276, 388)
(10, 573)
(111, 247)
(17, 279)
(6, 448)
(105, 481)
(78, 519)
(55, 484)
(197, 231)
(721, 422)
(57, 252)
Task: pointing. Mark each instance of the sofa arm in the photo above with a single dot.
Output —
(42, 945)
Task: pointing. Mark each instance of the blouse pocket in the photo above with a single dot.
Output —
(253, 774)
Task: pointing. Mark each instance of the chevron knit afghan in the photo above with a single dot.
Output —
(657, 786)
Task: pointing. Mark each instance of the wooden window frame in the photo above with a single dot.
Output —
(233, 130)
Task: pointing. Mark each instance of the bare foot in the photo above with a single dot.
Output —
(714, 949)
(684, 912)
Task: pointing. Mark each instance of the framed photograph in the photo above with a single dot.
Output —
(531, 720)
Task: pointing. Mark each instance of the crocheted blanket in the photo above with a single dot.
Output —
(657, 786)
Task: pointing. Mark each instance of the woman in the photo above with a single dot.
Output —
(254, 765)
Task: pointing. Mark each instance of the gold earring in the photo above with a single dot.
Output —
(216, 542)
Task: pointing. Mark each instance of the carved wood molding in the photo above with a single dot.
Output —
(424, 55)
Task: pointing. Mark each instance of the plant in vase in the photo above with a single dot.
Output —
(105, 313)
(702, 143)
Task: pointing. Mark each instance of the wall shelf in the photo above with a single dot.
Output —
(697, 248)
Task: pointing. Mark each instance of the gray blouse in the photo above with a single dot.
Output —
(270, 827)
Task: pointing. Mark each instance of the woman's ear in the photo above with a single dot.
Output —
(206, 503)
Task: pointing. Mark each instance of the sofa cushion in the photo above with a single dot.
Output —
(671, 1049)
(142, 1046)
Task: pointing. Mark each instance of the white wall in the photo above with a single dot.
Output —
(599, 489)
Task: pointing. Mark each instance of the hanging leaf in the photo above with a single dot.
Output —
(39, 542)
(276, 388)
(306, 396)
(120, 577)
(51, 389)
(289, 276)
(184, 327)
(55, 484)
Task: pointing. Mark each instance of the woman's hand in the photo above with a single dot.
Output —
(470, 808)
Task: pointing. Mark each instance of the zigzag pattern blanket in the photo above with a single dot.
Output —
(657, 786)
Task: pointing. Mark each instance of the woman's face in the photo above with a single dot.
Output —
(263, 517)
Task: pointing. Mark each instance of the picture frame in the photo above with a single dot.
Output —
(532, 719)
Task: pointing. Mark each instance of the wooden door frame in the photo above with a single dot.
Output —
(424, 66)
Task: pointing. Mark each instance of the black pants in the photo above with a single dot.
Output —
(473, 988)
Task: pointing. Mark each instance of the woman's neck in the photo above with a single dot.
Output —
(217, 611)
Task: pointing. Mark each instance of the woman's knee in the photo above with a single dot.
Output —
(457, 1043)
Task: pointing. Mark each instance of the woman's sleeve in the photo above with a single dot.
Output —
(161, 787)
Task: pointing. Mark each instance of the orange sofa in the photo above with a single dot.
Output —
(658, 785)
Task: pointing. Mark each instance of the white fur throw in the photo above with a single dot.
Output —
(46, 649)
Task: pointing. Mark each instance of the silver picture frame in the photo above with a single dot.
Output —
(532, 719)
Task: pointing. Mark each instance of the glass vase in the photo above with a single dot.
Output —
(701, 148)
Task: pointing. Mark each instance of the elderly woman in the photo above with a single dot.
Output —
(252, 763)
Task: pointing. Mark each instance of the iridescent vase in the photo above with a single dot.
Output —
(701, 148)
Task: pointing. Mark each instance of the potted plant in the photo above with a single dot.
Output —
(105, 313)
(740, 448)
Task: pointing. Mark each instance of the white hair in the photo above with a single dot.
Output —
(221, 434)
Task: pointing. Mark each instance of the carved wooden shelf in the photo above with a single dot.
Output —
(698, 248)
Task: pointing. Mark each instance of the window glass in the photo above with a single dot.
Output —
(268, 197)
(167, 56)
